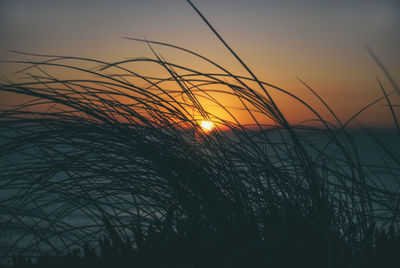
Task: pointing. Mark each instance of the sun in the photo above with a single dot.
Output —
(207, 125)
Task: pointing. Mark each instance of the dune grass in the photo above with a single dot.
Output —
(116, 163)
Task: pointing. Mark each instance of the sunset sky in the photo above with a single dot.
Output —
(320, 42)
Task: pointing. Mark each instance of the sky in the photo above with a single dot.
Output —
(320, 42)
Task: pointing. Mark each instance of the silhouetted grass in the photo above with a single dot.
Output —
(113, 169)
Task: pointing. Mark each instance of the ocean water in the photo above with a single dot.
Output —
(19, 211)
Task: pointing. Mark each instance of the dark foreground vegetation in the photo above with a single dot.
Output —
(112, 169)
(291, 241)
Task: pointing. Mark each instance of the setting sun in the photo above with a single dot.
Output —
(207, 125)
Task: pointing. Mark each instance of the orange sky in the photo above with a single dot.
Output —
(318, 41)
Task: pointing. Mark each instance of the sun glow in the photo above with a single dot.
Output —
(207, 125)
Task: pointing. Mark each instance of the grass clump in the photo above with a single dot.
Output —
(113, 168)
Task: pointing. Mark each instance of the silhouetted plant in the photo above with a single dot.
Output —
(124, 171)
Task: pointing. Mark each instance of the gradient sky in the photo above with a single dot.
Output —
(320, 42)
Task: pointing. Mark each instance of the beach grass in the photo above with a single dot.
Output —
(113, 168)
